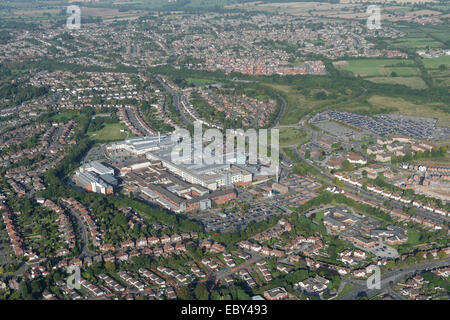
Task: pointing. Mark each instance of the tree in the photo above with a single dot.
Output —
(307, 154)
(390, 264)
(184, 293)
(200, 291)
(239, 294)
(419, 256)
(410, 260)
(110, 266)
(347, 166)
(442, 254)
(25, 291)
(215, 295)
(36, 288)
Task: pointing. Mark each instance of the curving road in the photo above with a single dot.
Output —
(360, 286)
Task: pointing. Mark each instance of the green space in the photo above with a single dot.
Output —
(347, 289)
(414, 236)
(200, 81)
(380, 67)
(65, 116)
(433, 63)
(403, 106)
(290, 136)
(417, 43)
(412, 82)
(110, 132)
(319, 217)
(417, 36)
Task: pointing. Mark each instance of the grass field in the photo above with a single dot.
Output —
(417, 43)
(199, 81)
(65, 116)
(380, 67)
(110, 132)
(413, 237)
(348, 288)
(411, 109)
(442, 81)
(319, 217)
(290, 136)
(297, 105)
(413, 82)
(433, 63)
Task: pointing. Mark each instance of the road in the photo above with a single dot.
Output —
(391, 277)
(282, 109)
(328, 178)
(360, 286)
(85, 252)
(175, 101)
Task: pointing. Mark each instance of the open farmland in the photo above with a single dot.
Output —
(433, 63)
(413, 82)
(380, 67)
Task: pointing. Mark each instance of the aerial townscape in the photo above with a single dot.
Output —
(105, 196)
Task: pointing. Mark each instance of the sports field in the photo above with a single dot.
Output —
(110, 132)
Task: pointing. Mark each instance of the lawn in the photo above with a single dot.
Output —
(319, 217)
(290, 136)
(348, 288)
(413, 237)
(110, 132)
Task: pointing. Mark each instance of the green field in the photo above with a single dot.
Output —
(290, 136)
(433, 63)
(413, 236)
(319, 217)
(65, 116)
(348, 288)
(380, 67)
(434, 36)
(408, 108)
(198, 81)
(417, 43)
(413, 82)
(110, 132)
